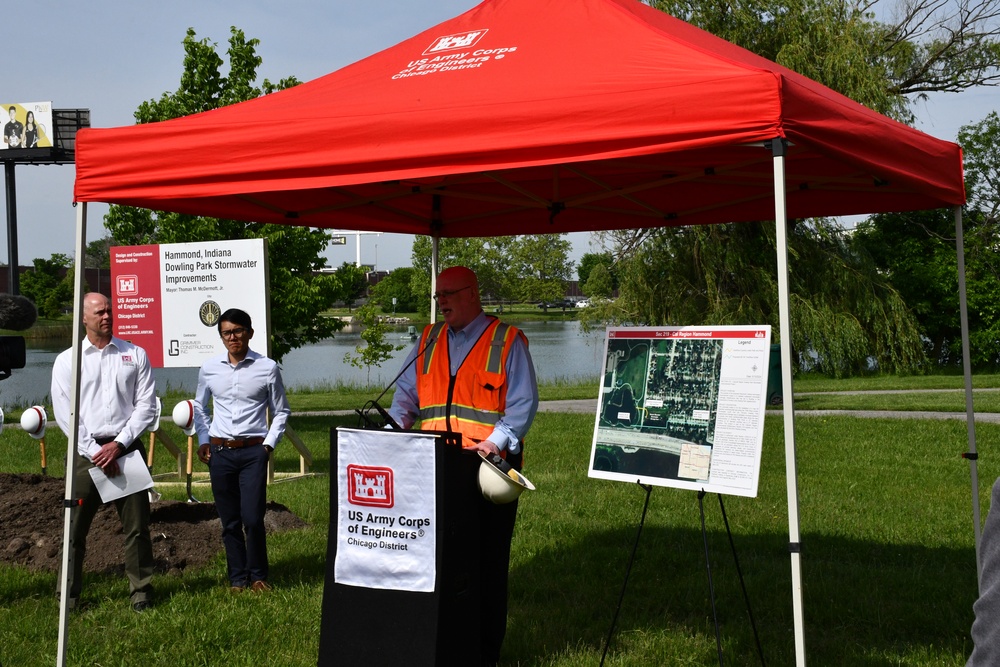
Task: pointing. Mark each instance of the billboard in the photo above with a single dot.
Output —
(168, 298)
(27, 125)
(683, 407)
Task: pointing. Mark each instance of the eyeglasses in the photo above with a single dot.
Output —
(233, 333)
(450, 293)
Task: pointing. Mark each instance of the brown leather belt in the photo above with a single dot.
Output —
(237, 442)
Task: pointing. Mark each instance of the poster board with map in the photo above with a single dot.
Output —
(683, 407)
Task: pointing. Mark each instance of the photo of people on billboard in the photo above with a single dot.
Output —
(27, 125)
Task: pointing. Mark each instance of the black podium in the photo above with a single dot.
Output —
(374, 626)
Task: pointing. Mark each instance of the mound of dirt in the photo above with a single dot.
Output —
(184, 534)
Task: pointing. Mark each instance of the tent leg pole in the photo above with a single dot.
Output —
(788, 407)
(71, 446)
(435, 249)
(970, 413)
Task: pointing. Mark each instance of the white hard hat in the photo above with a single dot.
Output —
(499, 482)
(33, 421)
(184, 416)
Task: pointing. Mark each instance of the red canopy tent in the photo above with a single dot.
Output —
(526, 116)
(536, 116)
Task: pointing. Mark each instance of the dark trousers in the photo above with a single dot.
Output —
(133, 511)
(496, 534)
(239, 484)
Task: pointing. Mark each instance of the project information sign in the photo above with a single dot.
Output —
(683, 407)
(168, 298)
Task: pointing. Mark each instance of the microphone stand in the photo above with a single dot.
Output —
(365, 410)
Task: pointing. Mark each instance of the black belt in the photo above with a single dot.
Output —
(105, 439)
(236, 443)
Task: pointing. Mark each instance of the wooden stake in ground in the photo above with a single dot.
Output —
(154, 427)
(184, 418)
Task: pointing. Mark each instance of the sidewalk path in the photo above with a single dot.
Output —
(589, 406)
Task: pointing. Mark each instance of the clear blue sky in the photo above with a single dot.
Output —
(111, 55)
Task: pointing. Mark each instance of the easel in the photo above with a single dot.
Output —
(708, 563)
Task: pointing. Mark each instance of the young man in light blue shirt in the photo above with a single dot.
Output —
(236, 443)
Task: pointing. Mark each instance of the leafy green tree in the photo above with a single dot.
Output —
(397, 285)
(916, 252)
(881, 54)
(591, 260)
(980, 142)
(99, 253)
(354, 282)
(509, 268)
(844, 314)
(299, 293)
(49, 284)
(451, 252)
(376, 351)
(544, 267)
(599, 282)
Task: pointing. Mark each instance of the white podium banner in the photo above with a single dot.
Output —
(386, 510)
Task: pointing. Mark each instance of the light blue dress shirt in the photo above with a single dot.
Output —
(522, 388)
(241, 396)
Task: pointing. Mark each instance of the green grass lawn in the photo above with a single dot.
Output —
(888, 561)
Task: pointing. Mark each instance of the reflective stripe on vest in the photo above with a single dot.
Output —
(434, 335)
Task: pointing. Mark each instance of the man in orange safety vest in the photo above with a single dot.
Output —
(472, 374)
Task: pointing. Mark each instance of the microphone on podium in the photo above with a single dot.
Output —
(365, 411)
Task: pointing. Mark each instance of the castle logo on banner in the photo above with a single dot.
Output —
(386, 510)
(367, 485)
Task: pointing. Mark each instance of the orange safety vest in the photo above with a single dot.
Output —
(474, 399)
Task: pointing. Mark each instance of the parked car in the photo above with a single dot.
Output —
(565, 303)
(582, 303)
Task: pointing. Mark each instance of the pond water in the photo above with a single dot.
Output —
(560, 350)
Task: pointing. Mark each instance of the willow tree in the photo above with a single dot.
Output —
(844, 314)
(845, 320)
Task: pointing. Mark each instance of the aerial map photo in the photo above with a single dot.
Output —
(658, 404)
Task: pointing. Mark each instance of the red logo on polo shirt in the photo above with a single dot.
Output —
(370, 485)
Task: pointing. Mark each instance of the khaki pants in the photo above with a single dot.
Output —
(133, 511)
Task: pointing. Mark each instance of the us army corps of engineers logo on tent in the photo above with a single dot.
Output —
(463, 40)
(453, 52)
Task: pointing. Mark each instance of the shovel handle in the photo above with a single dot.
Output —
(191, 498)
(41, 445)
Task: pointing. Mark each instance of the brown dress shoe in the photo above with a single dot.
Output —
(260, 587)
